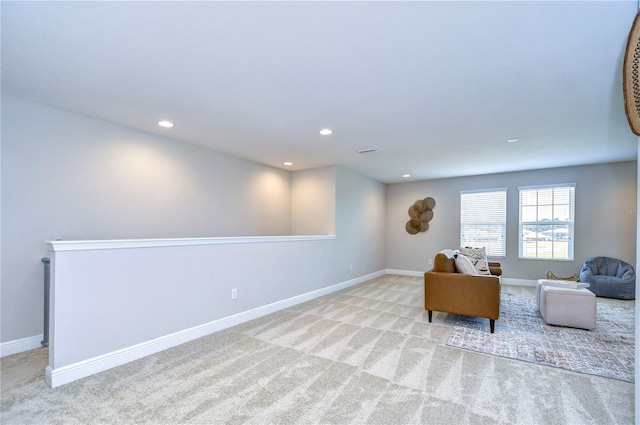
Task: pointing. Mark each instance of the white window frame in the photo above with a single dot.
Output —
(480, 209)
(561, 242)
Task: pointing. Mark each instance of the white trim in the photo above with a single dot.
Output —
(519, 282)
(405, 272)
(155, 243)
(497, 189)
(546, 186)
(63, 375)
(19, 345)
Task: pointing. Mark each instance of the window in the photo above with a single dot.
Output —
(546, 222)
(483, 220)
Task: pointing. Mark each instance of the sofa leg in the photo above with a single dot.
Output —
(429, 312)
(492, 325)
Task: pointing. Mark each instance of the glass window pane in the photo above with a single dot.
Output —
(545, 213)
(561, 250)
(545, 197)
(561, 195)
(561, 212)
(529, 249)
(529, 213)
(552, 211)
(529, 197)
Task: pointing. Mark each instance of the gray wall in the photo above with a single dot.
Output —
(313, 201)
(335, 200)
(72, 177)
(360, 216)
(605, 222)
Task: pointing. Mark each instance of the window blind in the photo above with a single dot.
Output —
(483, 220)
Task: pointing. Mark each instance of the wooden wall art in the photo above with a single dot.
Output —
(631, 77)
(420, 214)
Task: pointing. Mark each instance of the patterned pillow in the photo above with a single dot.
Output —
(478, 257)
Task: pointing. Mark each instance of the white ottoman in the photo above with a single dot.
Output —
(566, 306)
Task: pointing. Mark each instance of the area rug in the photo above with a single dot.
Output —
(522, 334)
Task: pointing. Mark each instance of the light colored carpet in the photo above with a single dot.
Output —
(608, 350)
(364, 355)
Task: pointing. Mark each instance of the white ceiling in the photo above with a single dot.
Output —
(438, 87)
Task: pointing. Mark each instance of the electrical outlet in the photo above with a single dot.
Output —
(351, 267)
(234, 293)
(430, 262)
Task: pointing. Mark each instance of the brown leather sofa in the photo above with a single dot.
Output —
(448, 291)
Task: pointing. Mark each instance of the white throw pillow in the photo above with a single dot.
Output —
(450, 253)
(464, 265)
(478, 257)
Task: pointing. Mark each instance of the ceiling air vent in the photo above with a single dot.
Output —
(368, 150)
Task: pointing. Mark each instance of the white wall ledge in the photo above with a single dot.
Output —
(79, 245)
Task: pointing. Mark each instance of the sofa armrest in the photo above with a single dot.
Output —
(457, 293)
(495, 268)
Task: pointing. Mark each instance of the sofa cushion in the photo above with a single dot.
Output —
(444, 264)
(465, 265)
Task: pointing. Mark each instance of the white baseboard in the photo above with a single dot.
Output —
(19, 345)
(405, 272)
(63, 375)
(518, 282)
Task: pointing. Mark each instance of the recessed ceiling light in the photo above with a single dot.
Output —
(513, 140)
(288, 163)
(325, 132)
(406, 176)
(166, 124)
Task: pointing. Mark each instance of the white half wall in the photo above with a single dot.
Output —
(105, 300)
(114, 301)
